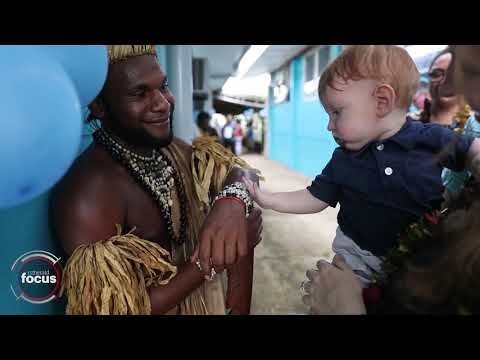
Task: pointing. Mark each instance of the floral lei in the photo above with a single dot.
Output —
(416, 235)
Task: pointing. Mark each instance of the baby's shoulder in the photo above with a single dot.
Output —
(338, 157)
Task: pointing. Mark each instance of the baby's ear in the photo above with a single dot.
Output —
(386, 98)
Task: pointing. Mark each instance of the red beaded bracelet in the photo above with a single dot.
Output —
(233, 198)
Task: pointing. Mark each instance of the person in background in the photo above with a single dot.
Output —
(227, 134)
(419, 98)
(238, 138)
(203, 123)
(442, 106)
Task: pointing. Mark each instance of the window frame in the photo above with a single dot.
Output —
(285, 81)
(310, 87)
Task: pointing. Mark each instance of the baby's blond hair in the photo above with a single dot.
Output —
(389, 64)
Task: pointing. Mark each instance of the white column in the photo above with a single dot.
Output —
(266, 124)
(208, 104)
(179, 64)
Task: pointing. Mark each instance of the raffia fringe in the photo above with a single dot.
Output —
(112, 276)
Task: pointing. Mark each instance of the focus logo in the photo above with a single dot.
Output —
(36, 277)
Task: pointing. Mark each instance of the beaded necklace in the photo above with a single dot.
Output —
(156, 175)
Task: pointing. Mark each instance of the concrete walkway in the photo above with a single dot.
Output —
(291, 244)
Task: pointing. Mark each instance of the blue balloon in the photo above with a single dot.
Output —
(41, 122)
(87, 66)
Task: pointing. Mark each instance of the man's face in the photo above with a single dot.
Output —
(467, 73)
(440, 95)
(352, 113)
(138, 104)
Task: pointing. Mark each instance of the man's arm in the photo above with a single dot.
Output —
(227, 239)
(88, 216)
(85, 211)
(240, 274)
(223, 237)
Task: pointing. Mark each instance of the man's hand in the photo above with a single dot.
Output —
(333, 289)
(240, 275)
(254, 228)
(223, 237)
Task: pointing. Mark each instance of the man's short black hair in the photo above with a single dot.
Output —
(202, 116)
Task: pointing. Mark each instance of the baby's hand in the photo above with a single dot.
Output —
(258, 195)
(251, 186)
